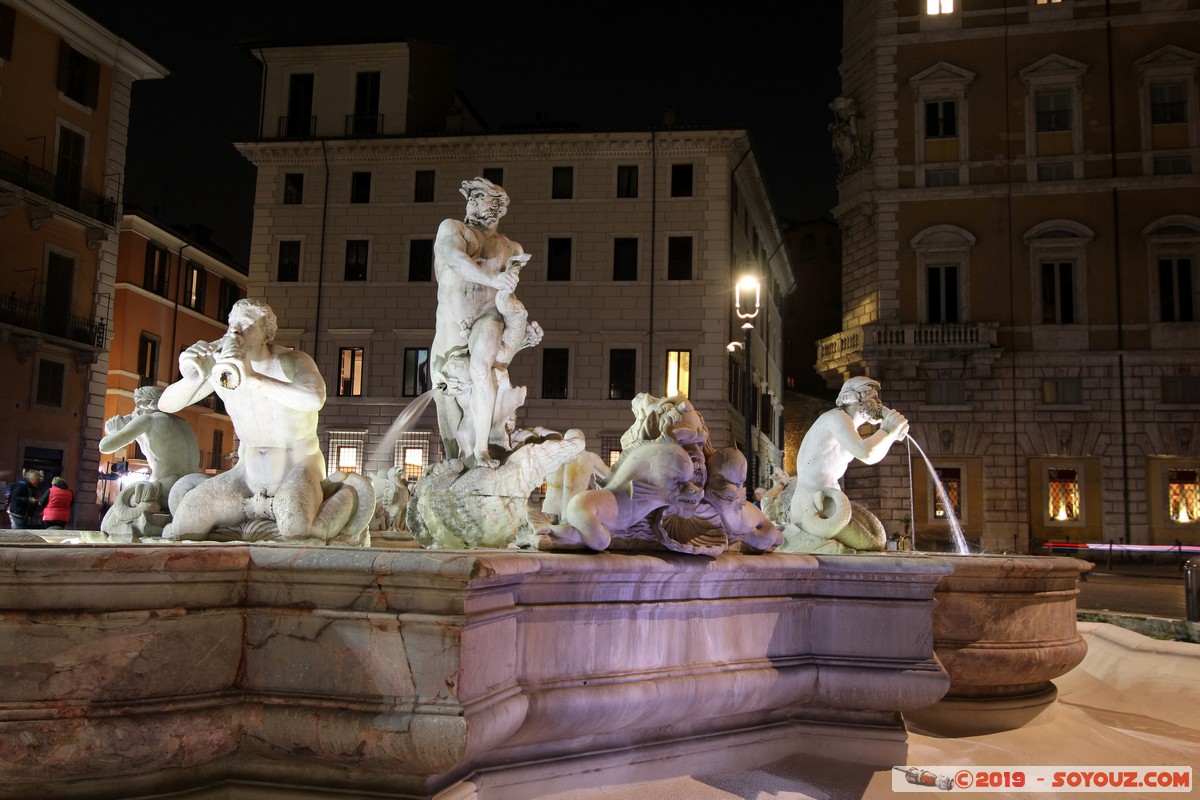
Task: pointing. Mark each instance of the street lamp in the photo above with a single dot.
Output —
(746, 301)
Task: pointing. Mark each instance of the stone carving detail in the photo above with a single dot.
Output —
(393, 495)
(277, 490)
(172, 451)
(670, 490)
(851, 146)
(821, 519)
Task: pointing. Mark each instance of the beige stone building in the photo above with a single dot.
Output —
(1020, 212)
(637, 239)
(65, 85)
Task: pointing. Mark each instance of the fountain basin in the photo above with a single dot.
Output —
(142, 669)
(1004, 628)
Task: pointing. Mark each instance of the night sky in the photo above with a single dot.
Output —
(602, 67)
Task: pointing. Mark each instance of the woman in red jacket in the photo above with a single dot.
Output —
(56, 504)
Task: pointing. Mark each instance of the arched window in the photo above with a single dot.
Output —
(1058, 261)
(1172, 252)
(942, 274)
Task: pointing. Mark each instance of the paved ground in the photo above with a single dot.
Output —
(1134, 588)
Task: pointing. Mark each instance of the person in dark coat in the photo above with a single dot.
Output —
(56, 504)
(23, 500)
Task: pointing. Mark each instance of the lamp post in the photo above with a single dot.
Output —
(746, 301)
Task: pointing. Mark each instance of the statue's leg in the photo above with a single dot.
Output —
(214, 503)
(484, 344)
(449, 418)
(298, 501)
(588, 512)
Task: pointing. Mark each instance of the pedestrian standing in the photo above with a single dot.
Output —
(56, 504)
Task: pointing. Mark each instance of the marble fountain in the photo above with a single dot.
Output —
(237, 637)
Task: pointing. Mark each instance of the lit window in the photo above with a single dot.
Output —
(1063, 494)
(1047, 2)
(939, 6)
(1183, 495)
(679, 372)
(194, 279)
(414, 462)
(346, 450)
(610, 449)
(413, 453)
(350, 364)
(951, 480)
(148, 360)
(158, 262)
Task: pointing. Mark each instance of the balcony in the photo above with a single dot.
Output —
(20, 172)
(364, 124)
(903, 343)
(51, 321)
(297, 127)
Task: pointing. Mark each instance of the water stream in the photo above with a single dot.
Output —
(956, 533)
(382, 456)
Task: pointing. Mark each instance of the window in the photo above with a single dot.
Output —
(1053, 111)
(420, 260)
(1175, 292)
(1183, 495)
(147, 360)
(1055, 171)
(943, 253)
(562, 183)
(681, 180)
(766, 414)
(941, 177)
(289, 262)
(346, 450)
(941, 392)
(360, 187)
(1058, 258)
(1172, 165)
(1168, 103)
(299, 121)
(735, 382)
(627, 181)
(8, 21)
(416, 371)
(78, 76)
(679, 372)
(350, 365)
(1062, 391)
(423, 183)
(939, 6)
(494, 174)
(68, 177)
(940, 119)
(555, 361)
(558, 260)
(227, 295)
(610, 449)
(356, 259)
(218, 449)
(625, 258)
(366, 120)
(1180, 391)
(941, 286)
(1062, 492)
(412, 453)
(158, 262)
(679, 258)
(293, 188)
(622, 374)
(194, 280)
(1058, 293)
(51, 377)
(949, 501)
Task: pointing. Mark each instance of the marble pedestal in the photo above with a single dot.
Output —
(276, 671)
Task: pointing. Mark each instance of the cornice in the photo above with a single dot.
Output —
(91, 38)
(498, 147)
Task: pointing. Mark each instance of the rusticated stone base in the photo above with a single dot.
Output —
(284, 671)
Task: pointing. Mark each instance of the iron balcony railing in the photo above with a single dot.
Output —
(55, 322)
(47, 184)
(364, 124)
(868, 340)
(297, 127)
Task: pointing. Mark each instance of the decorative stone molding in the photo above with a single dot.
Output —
(38, 215)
